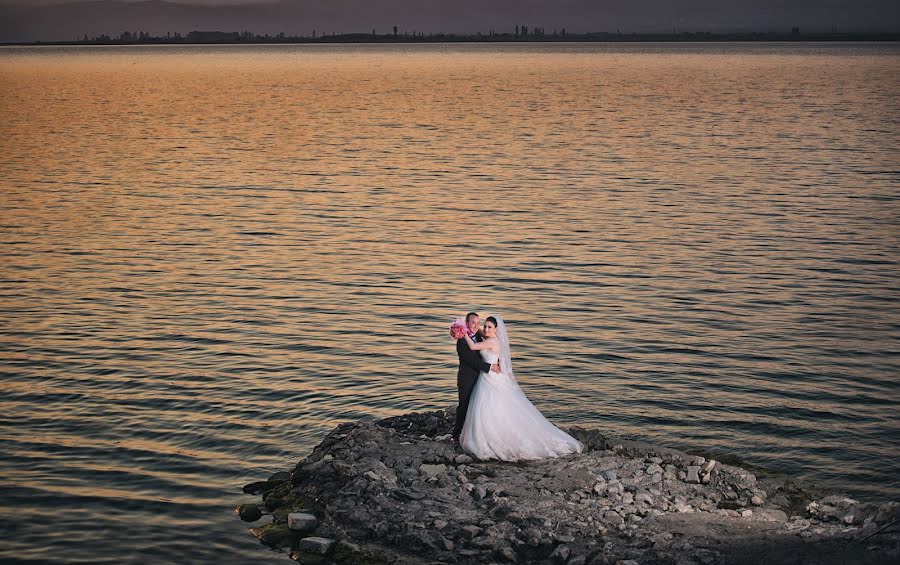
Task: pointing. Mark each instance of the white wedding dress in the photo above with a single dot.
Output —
(502, 423)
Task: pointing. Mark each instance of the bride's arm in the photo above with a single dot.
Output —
(470, 358)
(478, 346)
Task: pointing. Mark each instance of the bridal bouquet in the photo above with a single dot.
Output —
(458, 329)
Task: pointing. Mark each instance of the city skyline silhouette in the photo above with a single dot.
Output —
(40, 20)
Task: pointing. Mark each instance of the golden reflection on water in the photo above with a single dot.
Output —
(215, 254)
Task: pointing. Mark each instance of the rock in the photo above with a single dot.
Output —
(260, 487)
(693, 474)
(506, 554)
(635, 554)
(469, 532)
(432, 470)
(271, 501)
(560, 554)
(316, 546)
(274, 535)
(705, 556)
(409, 494)
(639, 477)
(797, 523)
(396, 491)
(540, 520)
(887, 512)
(654, 469)
(345, 550)
(488, 543)
(249, 512)
(770, 515)
(302, 522)
(835, 509)
(614, 518)
(746, 480)
(532, 536)
(516, 518)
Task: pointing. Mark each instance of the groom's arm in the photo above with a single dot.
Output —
(470, 358)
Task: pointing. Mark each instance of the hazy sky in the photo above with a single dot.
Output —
(49, 19)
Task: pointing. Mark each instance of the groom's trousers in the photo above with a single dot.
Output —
(465, 384)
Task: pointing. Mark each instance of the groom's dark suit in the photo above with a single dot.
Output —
(470, 365)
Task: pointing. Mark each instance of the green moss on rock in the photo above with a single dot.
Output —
(275, 535)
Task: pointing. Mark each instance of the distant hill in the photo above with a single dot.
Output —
(70, 21)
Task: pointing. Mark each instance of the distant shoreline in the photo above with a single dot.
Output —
(246, 38)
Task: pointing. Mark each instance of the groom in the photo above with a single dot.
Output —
(470, 365)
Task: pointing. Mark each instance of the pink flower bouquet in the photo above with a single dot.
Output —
(458, 329)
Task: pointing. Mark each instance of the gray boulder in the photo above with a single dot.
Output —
(302, 522)
(316, 545)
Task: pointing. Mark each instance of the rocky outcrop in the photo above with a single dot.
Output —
(399, 490)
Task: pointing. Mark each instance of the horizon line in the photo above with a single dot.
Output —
(247, 37)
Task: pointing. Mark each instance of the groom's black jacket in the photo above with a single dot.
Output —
(470, 362)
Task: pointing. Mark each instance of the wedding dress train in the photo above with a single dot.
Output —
(503, 424)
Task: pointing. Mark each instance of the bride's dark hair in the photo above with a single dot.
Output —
(492, 320)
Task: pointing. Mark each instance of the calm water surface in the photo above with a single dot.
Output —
(212, 255)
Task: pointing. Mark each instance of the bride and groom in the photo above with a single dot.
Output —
(495, 420)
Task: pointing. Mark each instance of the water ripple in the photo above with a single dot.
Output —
(694, 245)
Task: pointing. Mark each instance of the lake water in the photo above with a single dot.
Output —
(212, 255)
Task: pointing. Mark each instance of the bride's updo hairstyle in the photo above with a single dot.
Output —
(492, 320)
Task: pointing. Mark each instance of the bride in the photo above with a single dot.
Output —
(501, 422)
